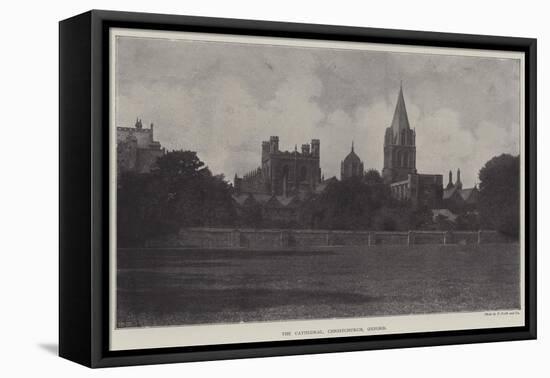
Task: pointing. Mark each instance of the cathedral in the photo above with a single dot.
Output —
(399, 145)
(283, 173)
(286, 180)
(399, 172)
(282, 184)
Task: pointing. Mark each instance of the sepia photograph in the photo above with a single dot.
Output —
(272, 183)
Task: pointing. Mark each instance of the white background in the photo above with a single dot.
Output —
(29, 187)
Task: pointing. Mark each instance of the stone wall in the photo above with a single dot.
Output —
(273, 238)
(261, 239)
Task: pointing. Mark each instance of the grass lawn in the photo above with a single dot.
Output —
(158, 287)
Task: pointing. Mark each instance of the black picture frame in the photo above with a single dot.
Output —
(84, 194)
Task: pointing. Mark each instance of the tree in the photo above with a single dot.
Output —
(349, 204)
(372, 176)
(180, 164)
(182, 192)
(499, 194)
(137, 209)
(251, 216)
(192, 195)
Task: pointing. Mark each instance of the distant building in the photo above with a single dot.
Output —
(399, 145)
(137, 151)
(280, 189)
(285, 173)
(457, 198)
(421, 190)
(286, 182)
(351, 166)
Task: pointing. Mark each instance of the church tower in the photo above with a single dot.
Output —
(399, 145)
(352, 166)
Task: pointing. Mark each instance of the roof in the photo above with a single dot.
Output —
(261, 198)
(324, 184)
(448, 193)
(469, 194)
(241, 198)
(352, 157)
(274, 202)
(248, 199)
(445, 213)
(400, 119)
(291, 201)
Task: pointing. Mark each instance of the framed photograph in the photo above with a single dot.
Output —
(234, 188)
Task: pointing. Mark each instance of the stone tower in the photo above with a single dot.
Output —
(450, 185)
(283, 173)
(351, 166)
(399, 145)
(458, 182)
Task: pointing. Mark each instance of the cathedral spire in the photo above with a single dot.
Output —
(400, 119)
(352, 146)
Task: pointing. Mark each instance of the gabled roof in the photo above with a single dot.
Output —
(324, 184)
(291, 201)
(448, 193)
(274, 202)
(241, 198)
(261, 198)
(400, 119)
(284, 200)
(469, 194)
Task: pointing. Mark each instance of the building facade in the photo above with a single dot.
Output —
(286, 180)
(351, 166)
(283, 173)
(399, 145)
(420, 190)
(137, 151)
(399, 172)
(457, 198)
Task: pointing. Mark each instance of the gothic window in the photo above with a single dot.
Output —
(285, 172)
(303, 174)
(405, 159)
(399, 159)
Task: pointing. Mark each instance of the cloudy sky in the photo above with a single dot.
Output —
(223, 99)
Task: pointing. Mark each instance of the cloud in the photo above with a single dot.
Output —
(444, 144)
(223, 100)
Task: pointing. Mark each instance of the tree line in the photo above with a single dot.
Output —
(183, 192)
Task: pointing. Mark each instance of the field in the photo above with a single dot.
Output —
(157, 287)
